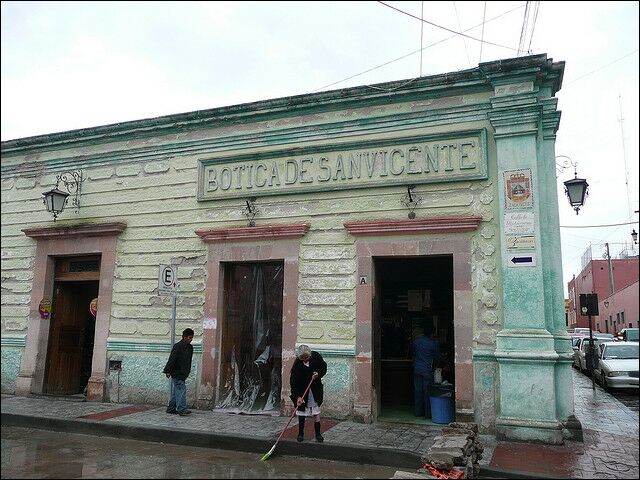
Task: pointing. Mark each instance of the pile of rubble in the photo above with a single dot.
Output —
(457, 448)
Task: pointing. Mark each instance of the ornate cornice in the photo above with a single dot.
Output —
(83, 230)
(250, 234)
(451, 224)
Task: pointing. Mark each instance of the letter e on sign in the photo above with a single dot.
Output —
(167, 280)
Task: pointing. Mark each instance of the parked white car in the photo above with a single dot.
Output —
(617, 365)
(580, 353)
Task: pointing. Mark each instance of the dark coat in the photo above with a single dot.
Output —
(301, 376)
(179, 363)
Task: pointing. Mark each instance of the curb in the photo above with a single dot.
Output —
(326, 451)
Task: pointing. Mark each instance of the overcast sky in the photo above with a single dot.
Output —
(84, 64)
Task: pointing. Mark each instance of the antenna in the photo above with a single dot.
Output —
(624, 157)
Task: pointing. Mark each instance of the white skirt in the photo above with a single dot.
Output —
(312, 407)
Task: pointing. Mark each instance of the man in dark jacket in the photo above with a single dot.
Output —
(178, 368)
(308, 365)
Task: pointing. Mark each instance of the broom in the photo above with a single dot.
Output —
(268, 454)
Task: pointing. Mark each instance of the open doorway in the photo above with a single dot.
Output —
(410, 292)
(72, 326)
(251, 338)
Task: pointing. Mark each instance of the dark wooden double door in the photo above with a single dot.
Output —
(72, 326)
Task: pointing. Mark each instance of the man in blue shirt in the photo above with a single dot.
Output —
(426, 352)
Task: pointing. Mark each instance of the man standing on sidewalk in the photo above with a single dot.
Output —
(178, 368)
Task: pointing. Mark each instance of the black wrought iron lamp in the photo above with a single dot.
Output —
(576, 189)
(411, 200)
(56, 199)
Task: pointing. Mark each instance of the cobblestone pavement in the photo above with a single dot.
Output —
(610, 448)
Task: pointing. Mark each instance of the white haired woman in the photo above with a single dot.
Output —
(307, 365)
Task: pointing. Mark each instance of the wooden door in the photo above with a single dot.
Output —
(68, 333)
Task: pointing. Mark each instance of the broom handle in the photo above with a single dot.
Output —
(294, 411)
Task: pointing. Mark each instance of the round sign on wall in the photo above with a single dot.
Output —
(44, 308)
(93, 306)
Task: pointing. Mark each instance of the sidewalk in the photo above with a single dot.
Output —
(610, 448)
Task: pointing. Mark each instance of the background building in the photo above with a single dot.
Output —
(595, 278)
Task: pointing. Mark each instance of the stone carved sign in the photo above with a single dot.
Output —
(456, 157)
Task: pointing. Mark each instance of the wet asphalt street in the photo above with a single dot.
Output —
(30, 453)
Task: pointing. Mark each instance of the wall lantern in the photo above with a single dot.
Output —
(250, 211)
(411, 200)
(576, 189)
(55, 199)
(634, 236)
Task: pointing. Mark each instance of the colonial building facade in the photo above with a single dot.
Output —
(341, 219)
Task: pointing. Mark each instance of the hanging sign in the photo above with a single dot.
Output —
(93, 306)
(44, 308)
(518, 188)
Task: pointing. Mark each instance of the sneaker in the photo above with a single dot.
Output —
(319, 438)
(172, 412)
(186, 412)
(300, 438)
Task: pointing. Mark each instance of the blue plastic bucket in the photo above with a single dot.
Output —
(442, 409)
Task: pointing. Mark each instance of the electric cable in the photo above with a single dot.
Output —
(419, 50)
(445, 28)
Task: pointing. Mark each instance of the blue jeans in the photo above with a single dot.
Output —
(178, 401)
(421, 384)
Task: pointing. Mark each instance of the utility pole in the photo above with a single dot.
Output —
(613, 288)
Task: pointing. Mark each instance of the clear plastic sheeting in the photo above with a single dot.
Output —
(251, 361)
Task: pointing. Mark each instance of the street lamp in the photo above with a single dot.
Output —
(55, 199)
(634, 236)
(576, 189)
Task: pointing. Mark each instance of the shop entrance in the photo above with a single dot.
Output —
(72, 326)
(251, 338)
(410, 292)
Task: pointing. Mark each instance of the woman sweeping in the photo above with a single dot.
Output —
(308, 365)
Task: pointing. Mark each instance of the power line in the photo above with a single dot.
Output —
(419, 50)
(533, 25)
(445, 28)
(484, 13)
(600, 68)
(523, 30)
(597, 226)
(463, 40)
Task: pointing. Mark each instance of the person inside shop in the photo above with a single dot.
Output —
(426, 352)
(178, 368)
(308, 365)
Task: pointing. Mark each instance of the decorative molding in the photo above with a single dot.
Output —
(484, 355)
(258, 233)
(20, 341)
(330, 350)
(83, 230)
(456, 224)
(132, 346)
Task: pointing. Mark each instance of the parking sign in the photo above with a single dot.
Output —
(167, 280)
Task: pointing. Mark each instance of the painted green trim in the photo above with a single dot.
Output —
(10, 341)
(362, 96)
(484, 355)
(435, 117)
(481, 174)
(130, 346)
(336, 353)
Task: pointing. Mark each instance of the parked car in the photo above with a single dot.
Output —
(575, 344)
(581, 331)
(628, 335)
(580, 355)
(617, 365)
(571, 330)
